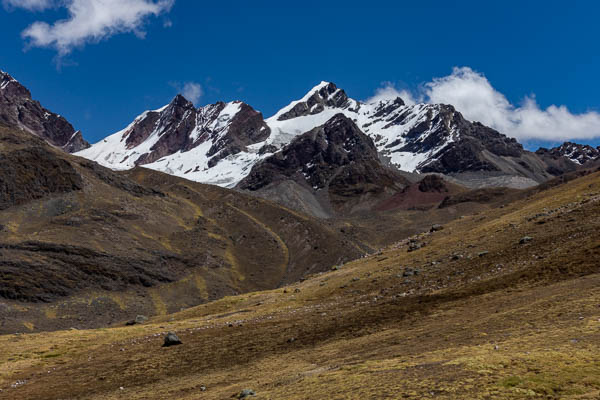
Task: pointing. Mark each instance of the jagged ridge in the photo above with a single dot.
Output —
(18, 110)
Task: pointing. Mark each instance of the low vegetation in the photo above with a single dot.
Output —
(470, 311)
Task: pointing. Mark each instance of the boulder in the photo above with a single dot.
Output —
(171, 340)
(246, 393)
(525, 239)
(436, 227)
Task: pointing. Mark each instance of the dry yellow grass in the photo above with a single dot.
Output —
(484, 318)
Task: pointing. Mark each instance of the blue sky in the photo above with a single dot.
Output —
(268, 53)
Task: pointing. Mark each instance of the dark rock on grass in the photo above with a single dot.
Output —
(415, 246)
(410, 272)
(140, 319)
(246, 393)
(436, 227)
(525, 239)
(119, 181)
(483, 253)
(171, 340)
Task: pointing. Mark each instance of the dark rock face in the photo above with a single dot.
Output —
(578, 154)
(71, 268)
(18, 110)
(465, 152)
(433, 183)
(30, 170)
(182, 127)
(33, 173)
(171, 340)
(174, 125)
(337, 156)
(248, 127)
(328, 95)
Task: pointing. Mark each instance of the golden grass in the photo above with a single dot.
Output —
(460, 329)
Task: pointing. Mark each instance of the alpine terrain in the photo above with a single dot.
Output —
(221, 143)
(336, 250)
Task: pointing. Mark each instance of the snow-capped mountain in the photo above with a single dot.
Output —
(579, 154)
(220, 143)
(336, 150)
(325, 171)
(17, 109)
(213, 144)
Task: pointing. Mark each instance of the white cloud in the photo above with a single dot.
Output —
(31, 5)
(93, 21)
(192, 91)
(389, 92)
(472, 94)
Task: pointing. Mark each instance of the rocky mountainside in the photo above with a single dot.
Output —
(419, 138)
(335, 162)
(19, 110)
(211, 144)
(220, 143)
(579, 154)
(81, 245)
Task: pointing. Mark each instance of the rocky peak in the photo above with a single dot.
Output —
(18, 110)
(183, 140)
(11, 88)
(577, 153)
(386, 107)
(245, 126)
(316, 156)
(325, 94)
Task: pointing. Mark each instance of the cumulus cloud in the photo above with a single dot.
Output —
(389, 92)
(93, 21)
(473, 95)
(31, 5)
(192, 91)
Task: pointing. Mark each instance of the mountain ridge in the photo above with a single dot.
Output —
(19, 110)
(420, 138)
(221, 143)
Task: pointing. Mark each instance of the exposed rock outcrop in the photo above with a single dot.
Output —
(19, 110)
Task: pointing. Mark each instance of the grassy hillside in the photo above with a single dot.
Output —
(82, 246)
(502, 304)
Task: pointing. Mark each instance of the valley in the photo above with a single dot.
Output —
(337, 249)
(478, 311)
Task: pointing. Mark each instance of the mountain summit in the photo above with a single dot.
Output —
(19, 110)
(210, 144)
(221, 143)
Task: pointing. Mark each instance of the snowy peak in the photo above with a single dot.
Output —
(336, 156)
(185, 141)
(10, 87)
(577, 153)
(325, 94)
(221, 143)
(18, 110)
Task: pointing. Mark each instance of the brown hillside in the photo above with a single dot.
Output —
(82, 246)
(499, 305)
